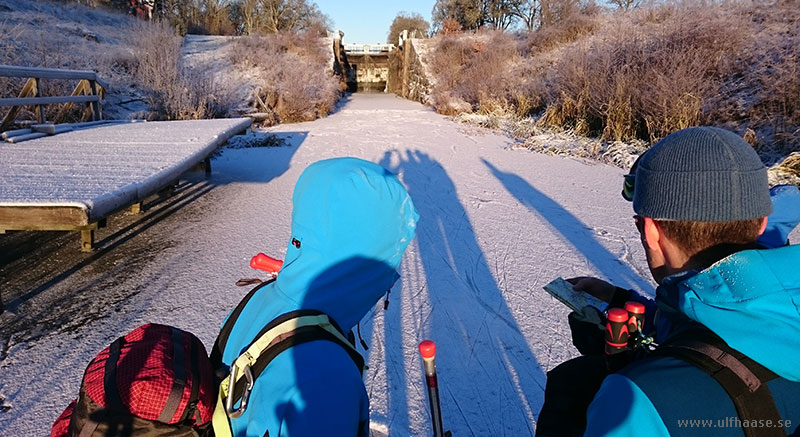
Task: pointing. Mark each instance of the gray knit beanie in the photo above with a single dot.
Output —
(701, 174)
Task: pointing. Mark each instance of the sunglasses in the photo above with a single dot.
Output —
(628, 185)
(629, 181)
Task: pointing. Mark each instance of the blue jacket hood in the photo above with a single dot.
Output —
(785, 215)
(752, 300)
(351, 222)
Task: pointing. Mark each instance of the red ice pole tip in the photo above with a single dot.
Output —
(634, 307)
(427, 349)
(617, 315)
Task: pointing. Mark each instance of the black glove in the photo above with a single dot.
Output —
(588, 330)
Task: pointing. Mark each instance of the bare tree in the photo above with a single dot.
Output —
(205, 16)
(244, 15)
(497, 14)
(407, 21)
(553, 11)
(474, 14)
(282, 15)
(526, 11)
(468, 13)
(625, 4)
(270, 16)
(215, 16)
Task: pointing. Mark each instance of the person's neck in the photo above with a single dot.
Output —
(709, 256)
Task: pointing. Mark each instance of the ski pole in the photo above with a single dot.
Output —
(428, 351)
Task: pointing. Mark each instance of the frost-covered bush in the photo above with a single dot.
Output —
(295, 80)
(639, 74)
(174, 91)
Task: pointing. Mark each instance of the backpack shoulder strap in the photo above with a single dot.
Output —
(288, 330)
(225, 332)
(743, 379)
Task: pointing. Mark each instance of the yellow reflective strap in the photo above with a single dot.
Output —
(250, 356)
(219, 421)
(329, 327)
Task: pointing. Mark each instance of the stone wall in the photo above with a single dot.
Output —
(408, 71)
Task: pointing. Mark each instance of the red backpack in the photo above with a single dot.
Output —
(157, 380)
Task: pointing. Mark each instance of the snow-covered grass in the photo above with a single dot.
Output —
(551, 141)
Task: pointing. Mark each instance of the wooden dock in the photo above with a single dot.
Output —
(74, 180)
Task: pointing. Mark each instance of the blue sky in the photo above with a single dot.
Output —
(366, 21)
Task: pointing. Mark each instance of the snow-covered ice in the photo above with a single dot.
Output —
(496, 224)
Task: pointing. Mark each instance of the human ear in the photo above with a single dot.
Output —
(652, 234)
(763, 226)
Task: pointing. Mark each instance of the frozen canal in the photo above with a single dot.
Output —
(496, 224)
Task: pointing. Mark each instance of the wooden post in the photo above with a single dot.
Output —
(40, 110)
(87, 240)
(27, 90)
(82, 88)
(96, 115)
(168, 191)
(87, 235)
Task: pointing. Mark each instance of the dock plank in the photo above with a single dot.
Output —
(74, 179)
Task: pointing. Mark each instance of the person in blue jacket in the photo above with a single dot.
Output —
(784, 218)
(351, 223)
(701, 200)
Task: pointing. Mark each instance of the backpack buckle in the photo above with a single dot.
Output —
(229, 400)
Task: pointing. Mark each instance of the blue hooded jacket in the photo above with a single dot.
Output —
(353, 220)
(784, 218)
(785, 215)
(752, 300)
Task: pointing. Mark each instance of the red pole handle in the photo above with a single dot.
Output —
(266, 263)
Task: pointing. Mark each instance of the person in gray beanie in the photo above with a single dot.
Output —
(718, 351)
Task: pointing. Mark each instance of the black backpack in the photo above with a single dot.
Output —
(743, 379)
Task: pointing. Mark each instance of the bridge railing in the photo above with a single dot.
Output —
(89, 90)
(368, 49)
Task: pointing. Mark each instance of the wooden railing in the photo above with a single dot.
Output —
(89, 90)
